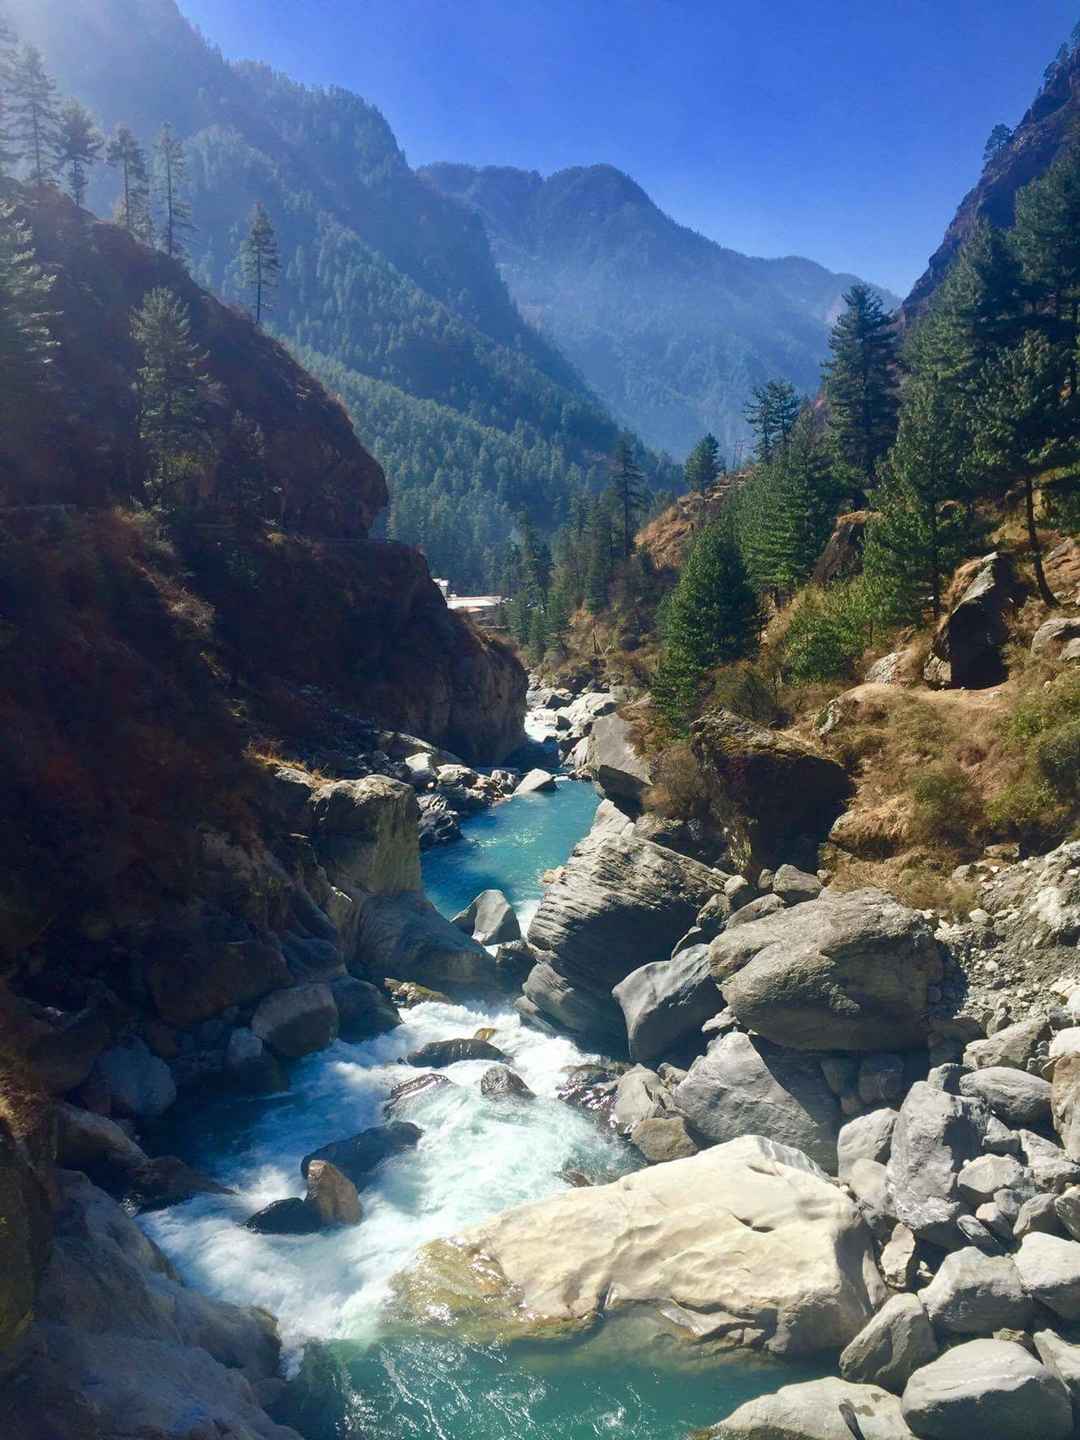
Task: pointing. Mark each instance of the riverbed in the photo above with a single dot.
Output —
(476, 1158)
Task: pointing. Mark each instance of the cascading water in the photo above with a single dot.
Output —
(476, 1157)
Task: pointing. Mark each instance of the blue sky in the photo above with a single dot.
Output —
(846, 132)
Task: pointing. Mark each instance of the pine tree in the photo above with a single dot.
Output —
(538, 635)
(771, 414)
(78, 146)
(260, 261)
(712, 618)
(25, 341)
(1046, 238)
(9, 154)
(702, 464)
(998, 139)
(170, 400)
(600, 549)
(861, 387)
(629, 491)
(33, 114)
(171, 178)
(133, 208)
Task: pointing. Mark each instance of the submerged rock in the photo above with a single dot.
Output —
(331, 1196)
(501, 1083)
(682, 1243)
(439, 1053)
(284, 1217)
(358, 1156)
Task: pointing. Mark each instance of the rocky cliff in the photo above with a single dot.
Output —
(1045, 129)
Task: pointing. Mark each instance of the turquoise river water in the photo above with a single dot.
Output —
(475, 1159)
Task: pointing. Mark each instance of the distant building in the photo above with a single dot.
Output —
(484, 609)
(444, 586)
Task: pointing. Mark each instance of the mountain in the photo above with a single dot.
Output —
(1046, 128)
(388, 286)
(672, 330)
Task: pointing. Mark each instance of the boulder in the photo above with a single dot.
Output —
(814, 1410)
(1038, 1216)
(364, 1011)
(1015, 1097)
(402, 1096)
(1067, 1210)
(666, 1003)
(250, 1066)
(437, 1054)
(682, 1244)
(936, 1134)
(868, 1181)
(768, 792)
(755, 910)
(882, 1080)
(285, 1217)
(200, 983)
(365, 834)
(1065, 1102)
(661, 1138)
(59, 1050)
(1050, 1270)
(980, 1179)
(502, 1083)
(536, 782)
(618, 902)
(422, 769)
(331, 1196)
(745, 1086)
(167, 1180)
(1054, 635)
(406, 937)
(966, 652)
(891, 1346)
(297, 1022)
(1050, 1167)
(358, 1156)
(618, 769)
(1011, 1047)
(991, 1388)
(795, 886)
(140, 1085)
(640, 1095)
(85, 1141)
(845, 972)
(489, 919)
(1062, 1360)
(867, 1137)
(898, 1257)
(976, 1294)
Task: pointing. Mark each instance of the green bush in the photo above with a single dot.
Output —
(1057, 755)
(744, 691)
(948, 809)
(1026, 810)
(827, 634)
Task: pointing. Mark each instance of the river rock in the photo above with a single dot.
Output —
(682, 1242)
(745, 1086)
(768, 792)
(251, 1066)
(666, 1003)
(621, 773)
(365, 834)
(844, 972)
(640, 1095)
(437, 1054)
(1011, 1047)
(331, 1195)
(867, 1137)
(976, 1294)
(660, 1138)
(987, 1388)
(85, 1141)
(364, 1011)
(404, 936)
(619, 901)
(402, 1096)
(358, 1156)
(297, 1022)
(795, 886)
(536, 782)
(1015, 1097)
(891, 1346)
(1050, 1270)
(502, 1083)
(489, 919)
(285, 1217)
(140, 1085)
(167, 1180)
(814, 1410)
(936, 1134)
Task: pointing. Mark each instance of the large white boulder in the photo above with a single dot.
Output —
(746, 1245)
(987, 1388)
(811, 1411)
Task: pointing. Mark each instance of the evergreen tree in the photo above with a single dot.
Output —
(1024, 427)
(9, 154)
(998, 139)
(919, 534)
(25, 341)
(860, 387)
(1046, 238)
(171, 179)
(33, 114)
(133, 208)
(600, 563)
(711, 618)
(629, 491)
(771, 413)
(702, 464)
(78, 146)
(538, 635)
(260, 261)
(170, 400)
(241, 487)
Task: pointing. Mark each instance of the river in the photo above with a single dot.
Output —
(476, 1158)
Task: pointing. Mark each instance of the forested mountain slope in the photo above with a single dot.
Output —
(384, 277)
(672, 330)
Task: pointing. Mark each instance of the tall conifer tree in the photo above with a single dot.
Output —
(171, 422)
(171, 179)
(25, 339)
(261, 261)
(126, 155)
(861, 387)
(33, 110)
(78, 147)
(629, 491)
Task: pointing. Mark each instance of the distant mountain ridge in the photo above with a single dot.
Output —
(671, 329)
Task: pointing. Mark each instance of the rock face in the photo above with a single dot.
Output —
(622, 774)
(966, 651)
(768, 793)
(844, 972)
(748, 1087)
(842, 558)
(618, 901)
(987, 1387)
(681, 1242)
(813, 1411)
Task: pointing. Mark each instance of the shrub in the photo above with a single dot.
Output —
(947, 807)
(743, 690)
(1026, 810)
(1057, 755)
(677, 791)
(827, 634)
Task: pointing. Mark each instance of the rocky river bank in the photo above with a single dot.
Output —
(825, 1128)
